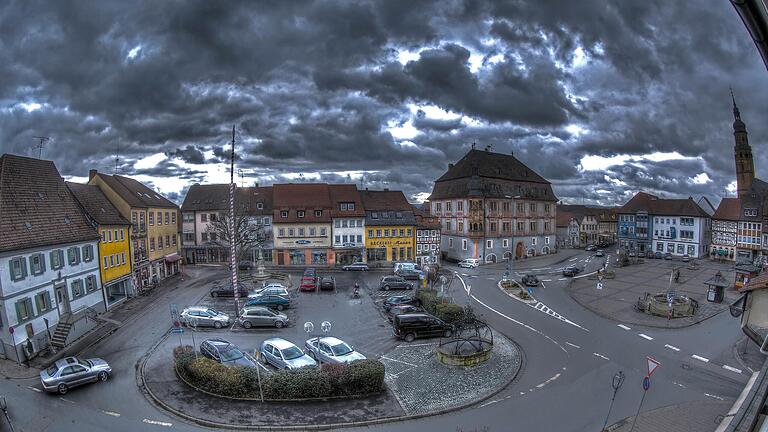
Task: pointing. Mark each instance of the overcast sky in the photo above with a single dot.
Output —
(601, 98)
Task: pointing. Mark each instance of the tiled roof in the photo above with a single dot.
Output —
(759, 282)
(677, 207)
(345, 193)
(639, 202)
(251, 197)
(498, 176)
(729, 209)
(135, 193)
(96, 204)
(307, 197)
(386, 205)
(216, 197)
(36, 206)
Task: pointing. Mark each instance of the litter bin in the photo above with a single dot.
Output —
(715, 294)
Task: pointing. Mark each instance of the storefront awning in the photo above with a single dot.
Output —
(172, 258)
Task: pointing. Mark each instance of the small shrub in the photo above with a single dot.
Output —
(297, 384)
(335, 372)
(449, 312)
(428, 299)
(184, 349)
(364, 376)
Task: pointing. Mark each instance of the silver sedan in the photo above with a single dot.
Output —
(71, 372)
(331, 350)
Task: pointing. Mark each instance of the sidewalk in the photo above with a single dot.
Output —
(113, 320)
(694, 416)
(617, 299)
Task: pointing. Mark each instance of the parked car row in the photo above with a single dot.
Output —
(410, 321)
(311, 281)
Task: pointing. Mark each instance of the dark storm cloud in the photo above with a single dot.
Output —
(313, 87)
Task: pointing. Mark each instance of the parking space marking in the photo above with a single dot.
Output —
(67, 400)
(398, 361)
(732, 369)
(111, 413)
(573, 259)
(157, 422)
(714, 396)
(645, 336)
(601, 356)
(414, 345)
(37, 390)
(624, 327)
(700, 358)
(546, 280)
(562, 279)
(573, 345)
(674, 348)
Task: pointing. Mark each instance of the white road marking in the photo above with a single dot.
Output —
(573, 259)
(111, 413)
(674, 348)
(37, 390)
(547, 310)
(601, 356)
(488, 403)
(713, 396)
(464, 274)
(546, 280)
(624, 327)
(543, 268)
(573, 345)
(678, 384)
(645, 336)
(399, 361)
(562, 279)
(414, 345)
(731, 368)
(67, 400)
(156, 422)
(697, 357)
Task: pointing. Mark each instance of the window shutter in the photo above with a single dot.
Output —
(38, 306)
(10, 267)
(52, 256)
(61, 257)
(48, 302)
(77, 255)
(42, 263)
(18, 312)
(23, 268)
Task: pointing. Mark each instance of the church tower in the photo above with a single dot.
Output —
(745, 167)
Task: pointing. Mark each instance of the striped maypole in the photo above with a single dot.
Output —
(232, 246)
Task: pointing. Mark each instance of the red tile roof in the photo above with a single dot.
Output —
(307, 197)
(385, 200)
(661, 206)
(345, 193)
(729, 209)
(96, 204)
(36, 206)
(639, 202)
(759, 282)
(135, 193)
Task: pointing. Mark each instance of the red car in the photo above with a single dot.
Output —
(308, 283)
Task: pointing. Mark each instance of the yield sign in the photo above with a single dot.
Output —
(652, 365)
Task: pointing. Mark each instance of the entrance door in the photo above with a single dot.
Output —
(280, 258)
(62, 299)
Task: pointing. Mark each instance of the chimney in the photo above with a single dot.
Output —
(450, 165)
(91, 174)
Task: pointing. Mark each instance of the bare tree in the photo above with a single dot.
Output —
(248, 235)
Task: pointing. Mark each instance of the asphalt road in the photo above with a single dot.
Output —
(565, 385)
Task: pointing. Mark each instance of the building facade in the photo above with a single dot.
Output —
(114, 252)
(427, 236)
(301, 224)
(50, 281)
(390, 227)
(725, 227)
(493, 207)
(634, 227)
(680, 229)
(348, 230)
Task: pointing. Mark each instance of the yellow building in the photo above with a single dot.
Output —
(114, 244)
(154, 239)
(390, 227)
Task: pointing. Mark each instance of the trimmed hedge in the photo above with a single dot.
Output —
(448, 312)
(358, 378)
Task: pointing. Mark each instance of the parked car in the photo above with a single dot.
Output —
(406, 299)
(667, 256)
(358, 266)
(530, 280)
(394, 282)
(244, 265)
(327, 283)
(599, 253)
(284, 355)
(400, 309)
(226, 353)
(331, 350)
(70, 372)
(309, 271)
(408, 274)
(571, 271)
(658, 255)
(686, 258)
(308, 283)
(204, 317)
(227, 291)
(261, 316)
(270, 301)
(419, 325)
(270, 290)
(590, 248)
(469, 263)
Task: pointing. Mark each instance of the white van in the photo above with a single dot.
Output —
(469, 262)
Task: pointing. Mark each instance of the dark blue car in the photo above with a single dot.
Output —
(270, 301)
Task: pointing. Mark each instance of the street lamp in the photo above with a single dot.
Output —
(616, 383)
(325, 326)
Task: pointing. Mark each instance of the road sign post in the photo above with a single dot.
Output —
(652, 364)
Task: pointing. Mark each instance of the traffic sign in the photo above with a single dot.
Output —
(646, 383)
(177, 330)
(599, 285)
(653, 364)
(530, 291)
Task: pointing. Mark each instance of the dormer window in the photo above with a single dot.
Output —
(318, 213)
(300, 213)
(259, 206)
(374, 215)
(284, 214)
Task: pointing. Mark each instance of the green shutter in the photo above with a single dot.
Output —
(23, 268)
(42, 263)
(18, 312)
(52, 256)
(38, 303)
(10, 265)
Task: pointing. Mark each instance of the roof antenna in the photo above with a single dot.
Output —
(40, 145)
(473, 145)
(117, 158)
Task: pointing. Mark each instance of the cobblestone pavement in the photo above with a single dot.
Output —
(698, 416)
(422, 384)
(618, 297)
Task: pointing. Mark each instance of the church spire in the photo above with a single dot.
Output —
(745, 166)
(736, 113)
(738, 124)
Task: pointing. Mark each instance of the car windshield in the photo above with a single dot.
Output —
(51, 370)
(291, 353)
(230, 354)
(341, 349)
(213, 312)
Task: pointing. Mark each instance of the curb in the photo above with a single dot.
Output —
(141, 382)
(528, 302)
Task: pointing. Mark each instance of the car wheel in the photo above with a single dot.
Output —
(312, 354)
(279, 324)
(247, 324)
(103, 376)
(386, 287)
(214, 295)
(217, 325)
(410, 337)
(280, 307)
(447, 333)
(62, 388)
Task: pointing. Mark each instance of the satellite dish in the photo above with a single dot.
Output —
(309, 327)
(326, 326)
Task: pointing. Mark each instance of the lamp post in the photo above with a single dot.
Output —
(325, 326)
(616, 383)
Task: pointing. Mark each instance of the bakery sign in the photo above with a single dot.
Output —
(389, 242)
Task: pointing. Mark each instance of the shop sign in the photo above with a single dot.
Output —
(374, 243)
(303, 242)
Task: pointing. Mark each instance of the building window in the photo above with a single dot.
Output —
(152, 218)
(520, 227)
(301, 232)
(402, 233)
(106, 262)
(370, 233)
(152, 241)
(410, 232)
(37, 264)
(291, 232)
(18, 268)
(546, 226)
(337, 239)
(463, 244)
(283, 214)
(203, 217)
(493, 227)
(323, 232)
(344, 223)
(533, 226)
(489, 244)
(300, 213)
(43, 302)
(88, 253)
(281, 232)
(386, 233)
(318, 213)
(449, 206)
(374, 215)
(345, 238)
(173, 240)
(378, 233)
(24, 310)
(313, 232)
(160, 240)
(73, 255)
(359, 238)
(57, 259)
(188, 217)
(77, 288)
(450, 243)
(547, 208)
(337, 223)
(167, 241)
(532, 207)
(505, 243)
(546, 240)
(461, 226)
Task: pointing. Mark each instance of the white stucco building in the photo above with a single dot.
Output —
(680, 227)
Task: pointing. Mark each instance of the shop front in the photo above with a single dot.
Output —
(300, 252)
(118, 290)
(348, 256)
(172, 264)
(390, 249)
